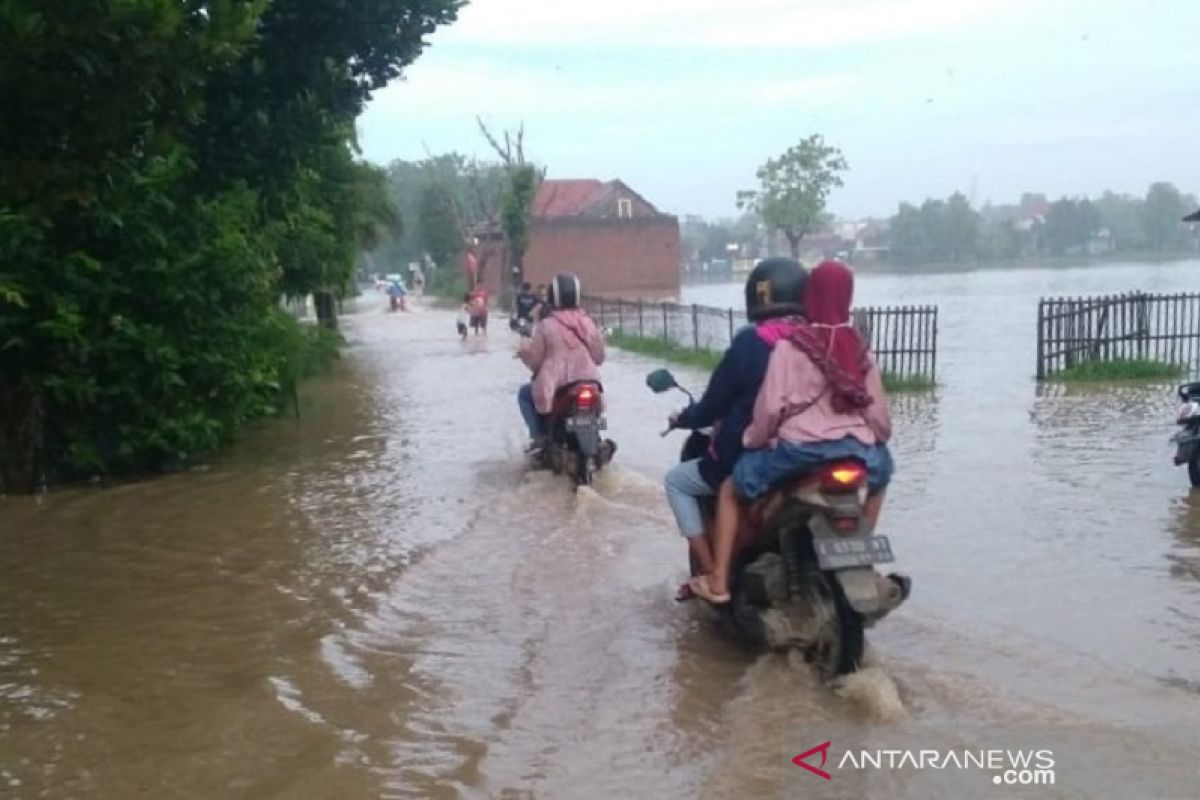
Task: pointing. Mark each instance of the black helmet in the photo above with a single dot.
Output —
(775, 288)
(565, 291)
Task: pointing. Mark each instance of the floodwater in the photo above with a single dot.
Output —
(377, 600)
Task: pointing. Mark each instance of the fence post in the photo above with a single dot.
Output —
(641, 330)
(695, 327)
(1041, 340)
(933, 366)
(731, 326)
(666, 330)
(621, 316)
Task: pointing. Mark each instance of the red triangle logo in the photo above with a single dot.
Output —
(800, 760)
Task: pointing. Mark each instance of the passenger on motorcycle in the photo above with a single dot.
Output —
(566, 347)
(822, 399)
(773, 291)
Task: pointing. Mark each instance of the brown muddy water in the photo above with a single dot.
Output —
(378, 601)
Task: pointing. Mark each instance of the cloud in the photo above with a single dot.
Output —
(469, 86)
(712, 23)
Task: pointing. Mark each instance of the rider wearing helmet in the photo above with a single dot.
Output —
(774, 291)
(566, 347)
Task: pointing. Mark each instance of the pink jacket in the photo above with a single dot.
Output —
(793, 404)
(566, 347)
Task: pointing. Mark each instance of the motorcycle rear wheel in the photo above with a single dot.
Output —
(583, 470)
(1194, 468)
(840, 649)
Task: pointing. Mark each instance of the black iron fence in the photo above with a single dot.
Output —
(1133, 326)
(903, 338)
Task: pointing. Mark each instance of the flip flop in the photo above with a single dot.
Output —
(699, 586)
(684, 593)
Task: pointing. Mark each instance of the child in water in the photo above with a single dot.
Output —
(464, 314)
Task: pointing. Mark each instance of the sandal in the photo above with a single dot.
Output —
(684, 593)
(699, 586)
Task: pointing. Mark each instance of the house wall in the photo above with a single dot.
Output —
(628, 257)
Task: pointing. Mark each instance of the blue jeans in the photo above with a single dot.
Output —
(529, 412)
(758, 470)
(685, 486)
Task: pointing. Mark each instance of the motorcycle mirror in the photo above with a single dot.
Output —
(661, 380)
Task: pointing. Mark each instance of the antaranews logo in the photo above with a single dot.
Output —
(1019, 767)
(823, 749)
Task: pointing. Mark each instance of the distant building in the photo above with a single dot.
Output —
(614, 239)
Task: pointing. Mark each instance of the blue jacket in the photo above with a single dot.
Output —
(729, 400)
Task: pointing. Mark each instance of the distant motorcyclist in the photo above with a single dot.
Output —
(566, 347)
(397, 292)
(525, 303)
(774, 291)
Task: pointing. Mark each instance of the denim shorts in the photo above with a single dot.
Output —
(759, 470)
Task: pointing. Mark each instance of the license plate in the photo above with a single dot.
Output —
(586, 423)
(852, 551)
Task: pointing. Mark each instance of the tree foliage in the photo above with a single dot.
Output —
(516, 209)
(950, 231)
(167, 170)
(793, 188)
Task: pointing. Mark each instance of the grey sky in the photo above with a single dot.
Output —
(684, 98)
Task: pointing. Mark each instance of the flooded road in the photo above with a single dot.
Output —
(378, 601)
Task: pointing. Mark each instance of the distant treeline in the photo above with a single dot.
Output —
(951, 231)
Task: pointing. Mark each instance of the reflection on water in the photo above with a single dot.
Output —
(377, 600)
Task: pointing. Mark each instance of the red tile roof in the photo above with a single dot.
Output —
(566, 198)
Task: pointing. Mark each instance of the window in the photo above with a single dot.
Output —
(624, 208)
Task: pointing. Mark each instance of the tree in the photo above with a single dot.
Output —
(516, 216)
(1122, 215)
(1161, 214)
(516, 202)
(961, 230)
(937, 232)
(438, 220)
(196, 162)
(794, 187)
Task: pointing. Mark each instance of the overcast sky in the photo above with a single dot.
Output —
(683, 99)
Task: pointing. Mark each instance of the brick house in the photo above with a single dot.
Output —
(608, 234)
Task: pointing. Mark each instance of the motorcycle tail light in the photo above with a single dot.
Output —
(844, 477)
(845, 524)
(586, 397)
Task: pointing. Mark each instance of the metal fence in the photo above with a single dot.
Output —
(1158, 327)
(903, 338)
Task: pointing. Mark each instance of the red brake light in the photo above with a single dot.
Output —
(844, 477)
(585, 397)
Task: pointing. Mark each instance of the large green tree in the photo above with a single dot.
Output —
(168, 168)
(793, 188)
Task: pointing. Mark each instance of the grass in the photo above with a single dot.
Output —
(910, 383)
(707, 359)
(1126, 369)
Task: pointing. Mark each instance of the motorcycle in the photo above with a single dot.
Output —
(521, 326)
(574, 424)
(803, 575)
(1187, 441)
